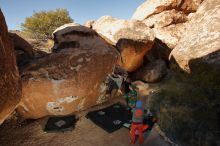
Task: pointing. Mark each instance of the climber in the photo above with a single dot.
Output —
(115, 82)
(137, 122)
(130, 93)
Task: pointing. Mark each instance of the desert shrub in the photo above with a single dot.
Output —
(42, 24)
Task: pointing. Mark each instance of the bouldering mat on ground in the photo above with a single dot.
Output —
(60, 124)
(111, 118)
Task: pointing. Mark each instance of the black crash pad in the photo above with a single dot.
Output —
(60, 124)
(111, 118)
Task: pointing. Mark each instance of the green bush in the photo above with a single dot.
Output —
(42, 24)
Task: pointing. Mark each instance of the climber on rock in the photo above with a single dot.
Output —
(114, 84)
(115, 80)
(130, 93)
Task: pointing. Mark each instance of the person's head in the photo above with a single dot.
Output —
(139, 104)
(149, 114)
(114, 75)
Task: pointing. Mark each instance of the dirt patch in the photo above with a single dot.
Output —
(85, 133)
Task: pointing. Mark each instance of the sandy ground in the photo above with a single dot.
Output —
(86, 133)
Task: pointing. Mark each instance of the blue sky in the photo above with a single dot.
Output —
(16, 11)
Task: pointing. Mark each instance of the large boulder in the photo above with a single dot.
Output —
(171, 34)
(73, 35)
(132, 38)
(152, 72)
(168, 26)
(10, 87)
(159, 51)
(201, 42)
(166, 18)
(152, 7)
(24, 51)
(71, 79)
(113, 30)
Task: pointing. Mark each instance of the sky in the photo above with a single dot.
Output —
(15, 11)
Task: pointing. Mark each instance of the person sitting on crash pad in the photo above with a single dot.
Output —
(130, 93)
(148, 122)
(137, 122)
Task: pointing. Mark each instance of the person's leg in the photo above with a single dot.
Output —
(127, 102)
(132, 133)
(126, 98)
(113, 93)
(140, 132)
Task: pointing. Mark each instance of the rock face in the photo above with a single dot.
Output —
(152, 72)
(132, 54)
(10, 88)
(201, 42)
(71, 79)
(168, 26)
(74, 35)
(152, 7)
(159, 51)
(132, 38)
(24, 51)
(113, 29)
(167, 18)
(171, 34)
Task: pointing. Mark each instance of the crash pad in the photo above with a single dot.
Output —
(60, 124)
(110, 118)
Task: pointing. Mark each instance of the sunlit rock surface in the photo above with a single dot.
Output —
(132, 38)
(10, 87)
(71, 79)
